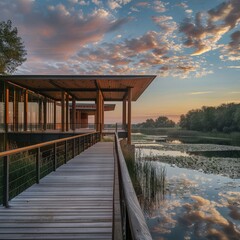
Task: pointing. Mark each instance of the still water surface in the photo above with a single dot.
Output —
(184, 203)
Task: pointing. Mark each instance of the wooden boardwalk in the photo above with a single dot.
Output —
(75, 202)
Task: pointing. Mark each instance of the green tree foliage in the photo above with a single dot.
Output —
(158, 123)
(12, 52)
(224, 118)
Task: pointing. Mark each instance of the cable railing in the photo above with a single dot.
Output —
(22, 167)
(40, 127)
(133, 223)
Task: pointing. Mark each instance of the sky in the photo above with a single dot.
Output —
(193, 47)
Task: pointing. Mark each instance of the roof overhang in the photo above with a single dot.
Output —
(83, 87)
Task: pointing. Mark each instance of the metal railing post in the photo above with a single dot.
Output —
(38, 160)
(65, 159)
(6, 181)
(73, 147)
(55, 157)
(78, 145)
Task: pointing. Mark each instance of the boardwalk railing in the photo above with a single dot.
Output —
(20, 168)
(134, 225)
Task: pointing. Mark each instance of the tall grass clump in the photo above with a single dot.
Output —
(148, 176)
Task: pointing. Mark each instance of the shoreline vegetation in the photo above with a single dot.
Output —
(221, 119)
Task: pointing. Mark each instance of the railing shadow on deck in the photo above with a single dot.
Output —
(21, 168)
(133, 222)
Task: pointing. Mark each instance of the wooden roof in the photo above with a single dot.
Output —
(83, 87)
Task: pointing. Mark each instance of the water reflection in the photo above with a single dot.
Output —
(184, 203)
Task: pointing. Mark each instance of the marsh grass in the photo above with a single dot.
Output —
(147, 175)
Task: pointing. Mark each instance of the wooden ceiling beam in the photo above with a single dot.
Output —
(81, 89)
(62, 89)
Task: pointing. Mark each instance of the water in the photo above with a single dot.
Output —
(182, 201)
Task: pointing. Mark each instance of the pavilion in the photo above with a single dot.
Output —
(42, 101)
(83, 110)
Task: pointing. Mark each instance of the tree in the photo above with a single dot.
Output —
(12, 51)
(163, 121)
(224, 118)
(160, 122)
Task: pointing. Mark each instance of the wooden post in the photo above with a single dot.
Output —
(40, 114)
(38, 156)
(102, 114)
(63, 112)
(129, 115)
(6, 181)
(54, 156)
(6, 114)
(73, 114)
(66, 152)
(67, 112)
(98, 111)
(124, 114)
(25, 110)
(15, 111)
(55, 115)
(45, 114)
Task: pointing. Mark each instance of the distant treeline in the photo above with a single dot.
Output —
(160, 122)
(224, 118)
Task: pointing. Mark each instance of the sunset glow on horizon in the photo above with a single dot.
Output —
(192, 46)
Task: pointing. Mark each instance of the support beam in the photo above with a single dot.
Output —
(124, 113)
(73, 114)
(54, 115)
(45, 114)
(25, 114)
(102, 114)
(129, 115)
(6, 110)
(63, 112)
(98, 106)
(40, 120)
(67, 112)
(15, 111)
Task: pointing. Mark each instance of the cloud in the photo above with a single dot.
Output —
(207, 29)
(58, 32)
(232, 50)
(114, 4)
(165, 23)
(97, 2)
(142, 4)
(159, 6)
(234, 67)
(183, 5)
(206, 221)
(200, 93)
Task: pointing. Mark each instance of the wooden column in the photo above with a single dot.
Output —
(67, 112)
(40, 114)
(79, 119)
(124, 113)
(54, 115)
(45, 114)
(63, 112)
(25, 114)
(15, 111)
(129, 114)
(98, 111)
(6, 110)
(102, 114)
(73, 114)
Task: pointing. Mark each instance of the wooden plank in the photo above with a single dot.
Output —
(75, 202)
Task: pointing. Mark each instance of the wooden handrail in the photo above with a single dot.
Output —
(88, 140)
(39, 145)
(135, 218)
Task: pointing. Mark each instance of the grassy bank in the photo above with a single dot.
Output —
(192, 136)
